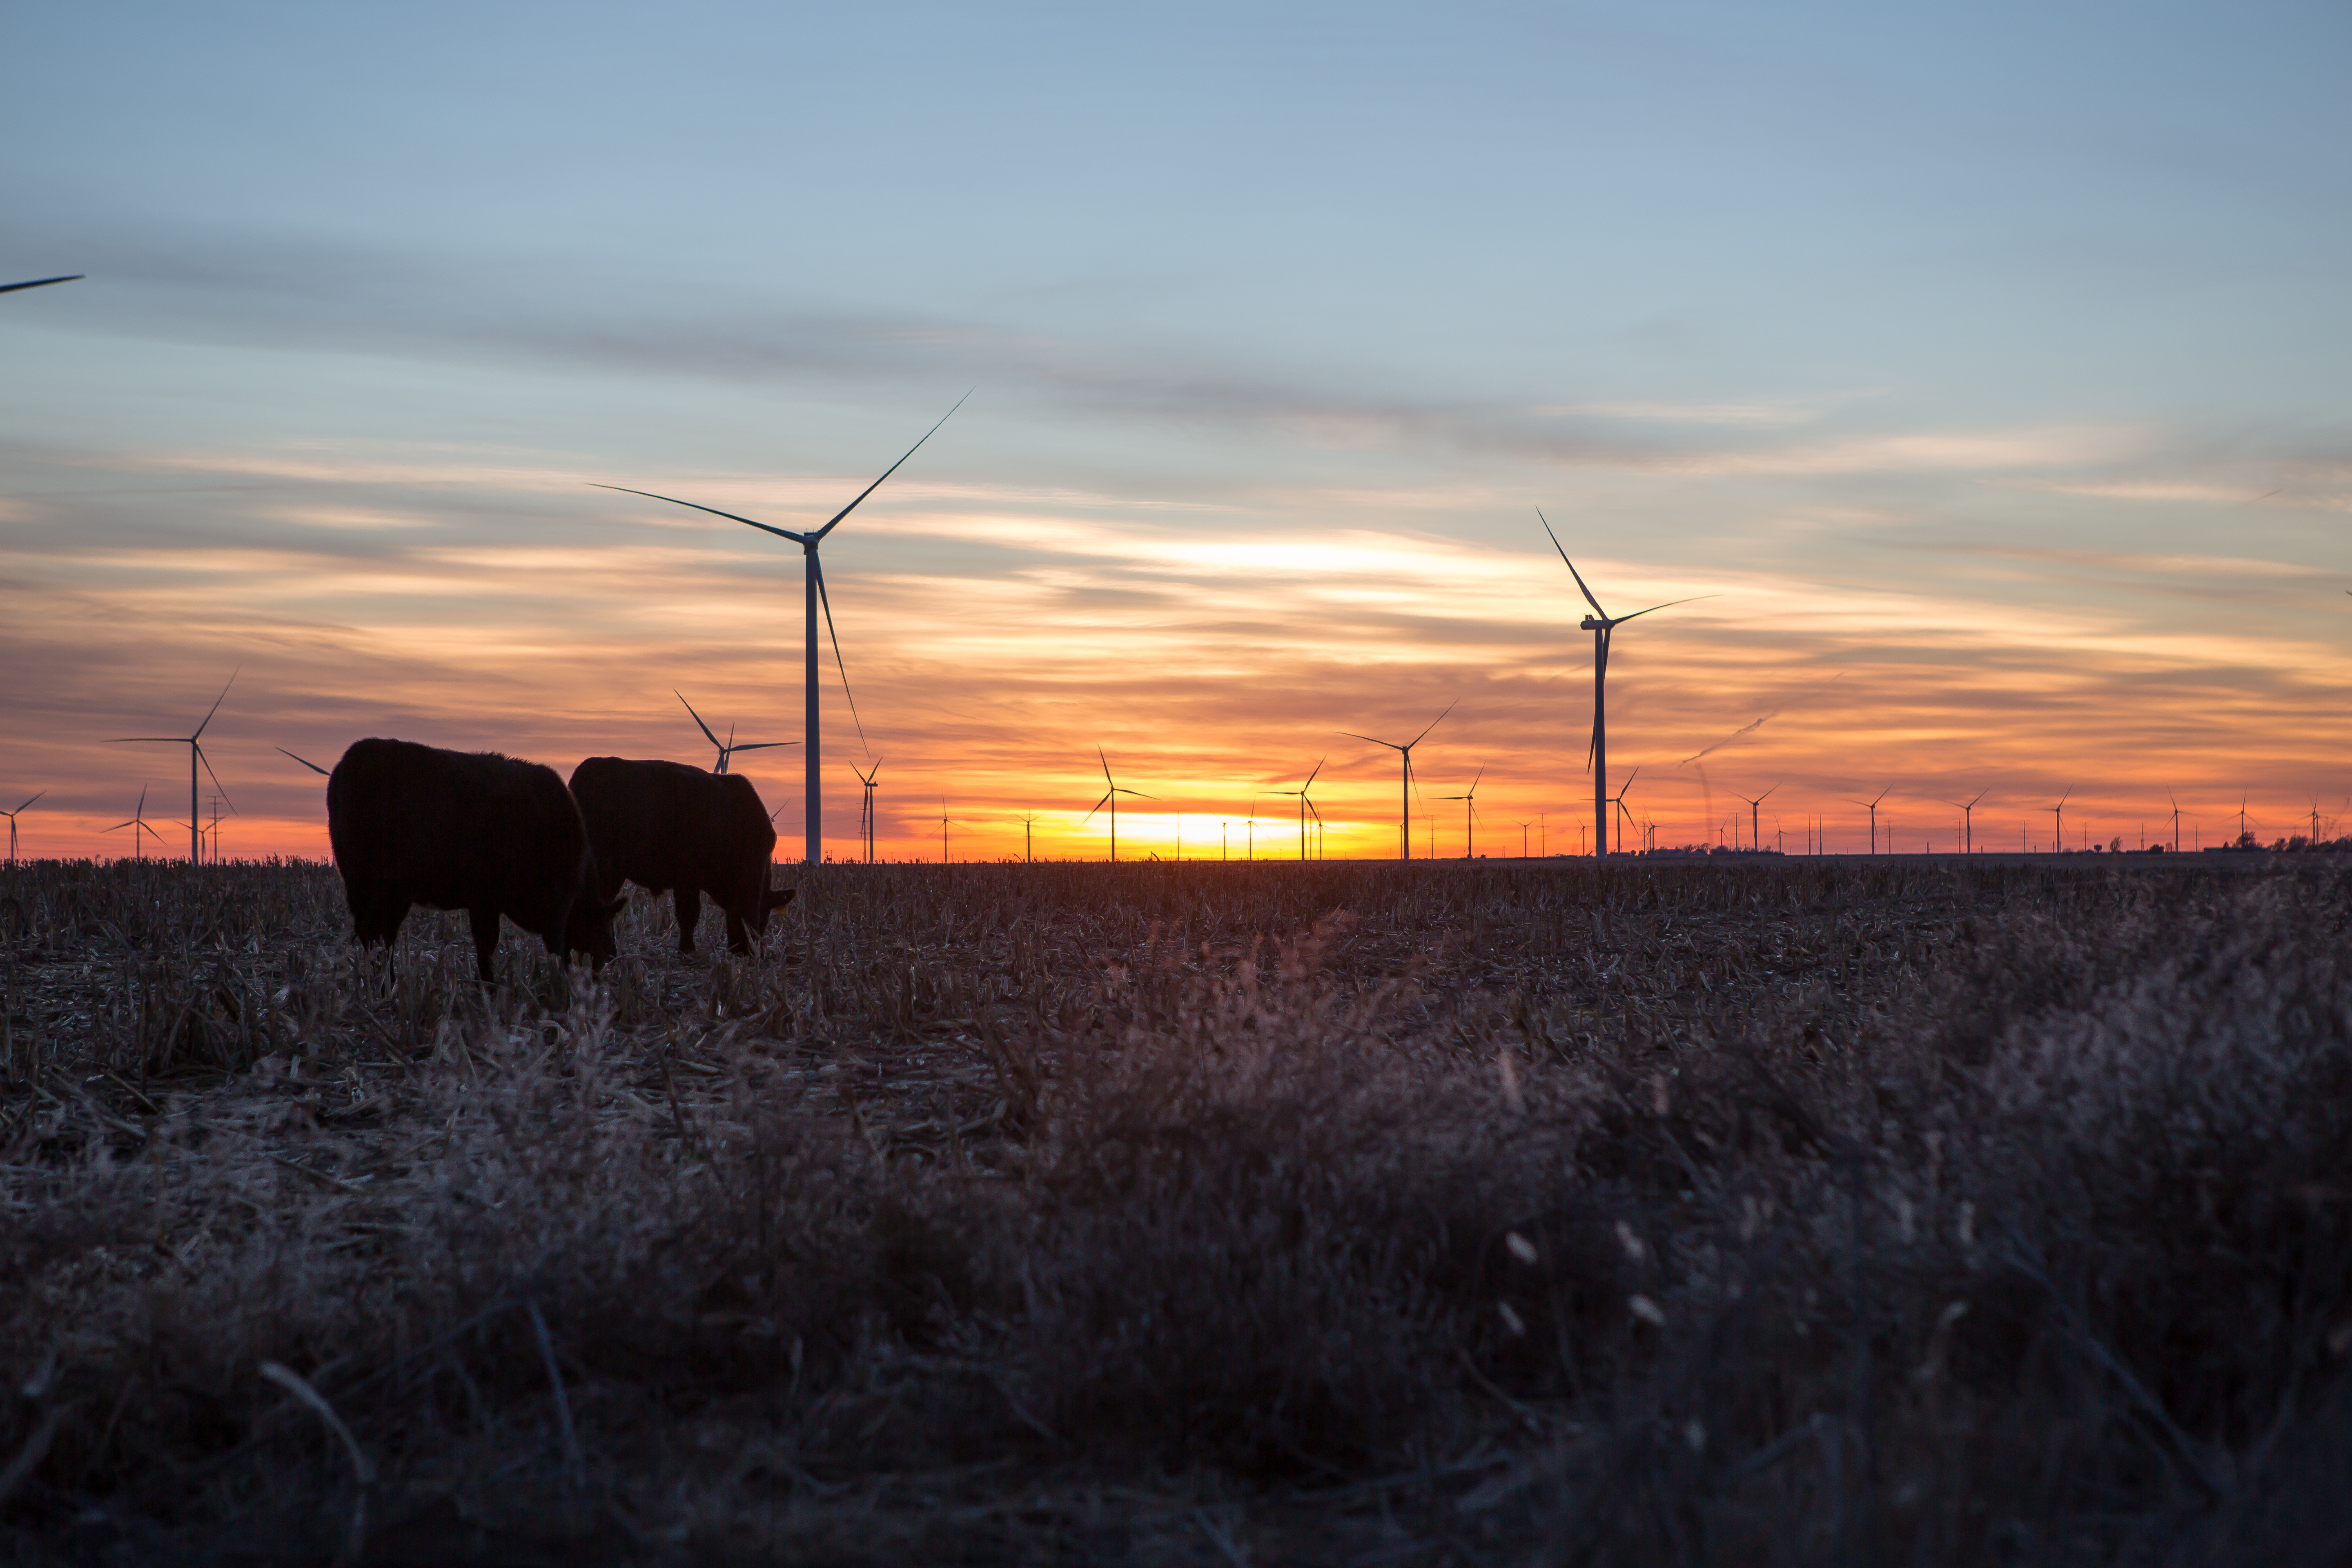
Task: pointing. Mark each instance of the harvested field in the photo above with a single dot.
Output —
(1802, 1211)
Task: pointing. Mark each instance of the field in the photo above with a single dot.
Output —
(1805, 1211)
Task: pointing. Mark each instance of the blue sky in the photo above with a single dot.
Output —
(1987, 362)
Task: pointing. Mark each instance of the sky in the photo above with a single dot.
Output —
(1979, 373)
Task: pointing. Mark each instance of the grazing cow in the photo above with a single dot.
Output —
(463, 830)
(670, 827)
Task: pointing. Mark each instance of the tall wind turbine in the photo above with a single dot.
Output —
(944, 820)
(1618, 800)
(813, 594)
(2175, 820)
(1755, 810)
(2058, 822)
(137, 822)
(1873, 805)
(1469, 815)
(730, 745)
(304, 761)
(1306, 804)
(865, 816)
(1110, 798)
(11, 816)
(1600, 625)
(1404, 816)
(1969, 819)
(42, 282)
(195, 755)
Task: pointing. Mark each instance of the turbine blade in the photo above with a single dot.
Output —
(893, 468)
(215, 706)
(29, 803)
(698, 724)
(42, 282)
(817, 571)
(1571, 565)
(1766, 795)
(1375, 739)
(1669, 604)
(764, 528)
(135, 740)
(1090, 817)
(1105, 766)
(1310, 777)
(1434, 723)
(215, 778)
(305, 762)
(761, 745)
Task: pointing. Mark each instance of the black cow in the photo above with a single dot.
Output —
(667, 826)
(463, 830)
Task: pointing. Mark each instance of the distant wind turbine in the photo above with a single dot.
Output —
(2175, 820)
(304, 761)
(1600, 624)
(865, 816)
(11, 816)
(2058, 821)
(137, 822)
(1872, 806)
(1028, 842)
(1110, 799)
(1969, 819)
(1618, 800)
(42, 282)
(1755, 809)
(813, 594)
(195, 756)
(944, 819)
(1306, 804)
(730, 745)
(1469, 815)
(1404, 817)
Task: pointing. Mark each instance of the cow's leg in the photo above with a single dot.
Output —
(687, 901)
(739, 935)
(486, 938)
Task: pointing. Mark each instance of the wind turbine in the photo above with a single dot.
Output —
(1523, 840)
(304, 761)
(1969, 817)
(865, 816)
(943, 827)
(1404, 817)
(1469, 815)
(11, 816)
(1618, 800)
(730, 746)
(1873, 805)
(1028, 844)
(1600, 625)
(1110, 798)
(42, 282)
(813, 594)
(137, 822)
(2058, 821)
(2175, 820)
(1755, 810)
(195, 755)
(1305, 805)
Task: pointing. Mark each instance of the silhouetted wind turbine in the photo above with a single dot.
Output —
(11, 816)
(1028, 843)
(195, 755)
(1110, 798)
(813, 595)
(1600, 624)
(1618, 799)
(943, 827)
(304, 761)
(1404, 819)
(137, 822)
(42, 282)
(865, 816)
(1469, 814)
(2058, 821)
(730, 746)
(1305, 805)
(1873, 805)
(1755, 809)
(2175, 820)
(1969, 817)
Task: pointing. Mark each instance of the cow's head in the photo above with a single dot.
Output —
(589, 928)
(768, 899)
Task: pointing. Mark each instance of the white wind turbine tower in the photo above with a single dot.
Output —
(1600, 624)
(11, 816)
(813, 594)
(195, 756)
(1404, 819)
(730, 745)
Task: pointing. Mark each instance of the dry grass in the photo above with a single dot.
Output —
(1809, 1212)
